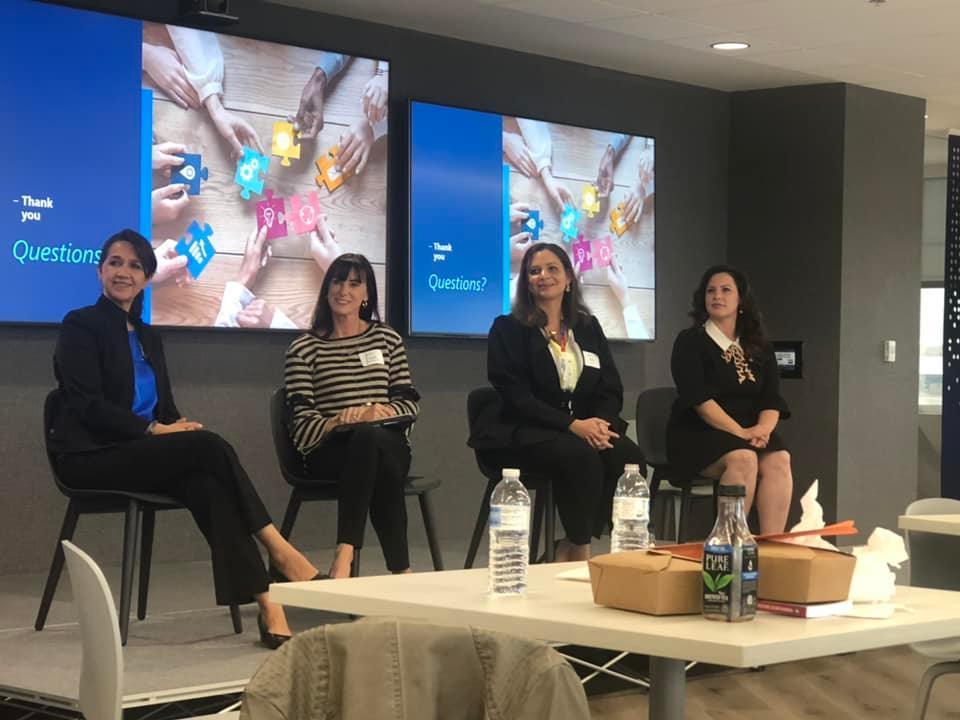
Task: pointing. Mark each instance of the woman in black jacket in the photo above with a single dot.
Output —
(561, 398)
(118, 428)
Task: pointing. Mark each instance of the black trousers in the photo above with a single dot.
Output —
(370, 465)
(201, 470)
(584, 479)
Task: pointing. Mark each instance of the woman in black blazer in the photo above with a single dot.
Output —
(561, 398)
(118, 428)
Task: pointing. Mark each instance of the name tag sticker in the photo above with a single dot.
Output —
(374, 357)
(591, 360)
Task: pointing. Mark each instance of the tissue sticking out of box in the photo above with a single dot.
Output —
(811, 518)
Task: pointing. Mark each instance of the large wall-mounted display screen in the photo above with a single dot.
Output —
(483, 187)
(249, 165)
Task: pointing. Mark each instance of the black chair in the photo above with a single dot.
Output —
(306, 488)
(653, 412)
(139, 509)
(544, 510)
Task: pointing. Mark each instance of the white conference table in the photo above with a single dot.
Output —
(563, 611)
(940, 524)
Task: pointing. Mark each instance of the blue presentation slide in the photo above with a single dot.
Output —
(71, 94)
(459, 262)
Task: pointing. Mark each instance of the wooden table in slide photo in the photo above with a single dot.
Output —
(563, 611)
(262, 84)
(939, 524)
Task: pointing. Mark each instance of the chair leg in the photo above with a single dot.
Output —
(146, 554)
(130, 533)
(478, 527)
(427, 512)
(685, 505)
(550, 514)
(540, 498)
(70, 518)
(355, 564)
(926, 685)
(290, 516)
(237, 620)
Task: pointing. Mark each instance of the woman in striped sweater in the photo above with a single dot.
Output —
(349, 370)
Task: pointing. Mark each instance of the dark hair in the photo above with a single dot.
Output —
(144, 252)
(525, 309)
(339, 271)
(749, 328)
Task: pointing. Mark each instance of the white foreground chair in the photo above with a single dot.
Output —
(101, 671)
(933, 564)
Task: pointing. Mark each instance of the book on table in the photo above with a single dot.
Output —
(805, 610)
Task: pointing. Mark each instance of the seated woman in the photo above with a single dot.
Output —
(723, 424)
(349, 370)
(119, 428)
(561, 398)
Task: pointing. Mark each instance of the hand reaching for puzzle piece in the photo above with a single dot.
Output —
(168, 202)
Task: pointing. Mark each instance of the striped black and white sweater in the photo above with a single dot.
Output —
(324, 376)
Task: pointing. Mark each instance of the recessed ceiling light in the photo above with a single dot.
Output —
(730, 45)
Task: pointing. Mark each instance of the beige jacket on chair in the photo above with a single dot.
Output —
(387, 669)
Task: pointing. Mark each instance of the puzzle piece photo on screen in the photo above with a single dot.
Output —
(569, 219)
(618, 223)
(197, 248)
(590, 200)
(533, 225)
(601, 250)
(303, 216)
(190, 173)
(580, 251)
(286, 143)
(330, 177)
(251, 171)
(271, 214)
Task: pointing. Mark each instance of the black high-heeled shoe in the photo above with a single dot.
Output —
(278, 577)
(269, 640)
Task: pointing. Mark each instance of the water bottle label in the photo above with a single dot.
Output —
(631, 508)
(509, 517)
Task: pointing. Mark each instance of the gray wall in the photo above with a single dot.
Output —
(225, 378)
(825, 209)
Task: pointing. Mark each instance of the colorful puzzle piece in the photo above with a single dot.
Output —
(533, 225)
(251, 170)
(330, 176)
(272, 214)
(198, 249)
(618, 223)
(581, 254)
(569, 219)
(303, 216)
(286, 143)
(601, 251)
(190, 173)
(590, 200)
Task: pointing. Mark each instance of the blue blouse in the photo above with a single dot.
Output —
(144, 380)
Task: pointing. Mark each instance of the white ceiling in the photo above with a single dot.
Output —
(904, 46)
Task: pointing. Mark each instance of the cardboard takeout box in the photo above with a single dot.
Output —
(651, 582)
(803, 574)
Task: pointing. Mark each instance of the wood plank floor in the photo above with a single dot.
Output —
(879, 685)
(262, 84)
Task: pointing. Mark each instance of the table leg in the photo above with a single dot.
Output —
(668, 680)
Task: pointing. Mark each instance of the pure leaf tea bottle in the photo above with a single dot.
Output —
(730, 562)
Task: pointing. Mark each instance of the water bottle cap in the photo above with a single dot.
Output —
(630, 467)
(511, 473)
(732, 491)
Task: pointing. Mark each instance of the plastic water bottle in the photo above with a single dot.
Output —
(730, 561)
(631, 512)
(509, 535)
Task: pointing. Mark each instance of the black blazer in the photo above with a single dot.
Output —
(94, 369)
(534, 408)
